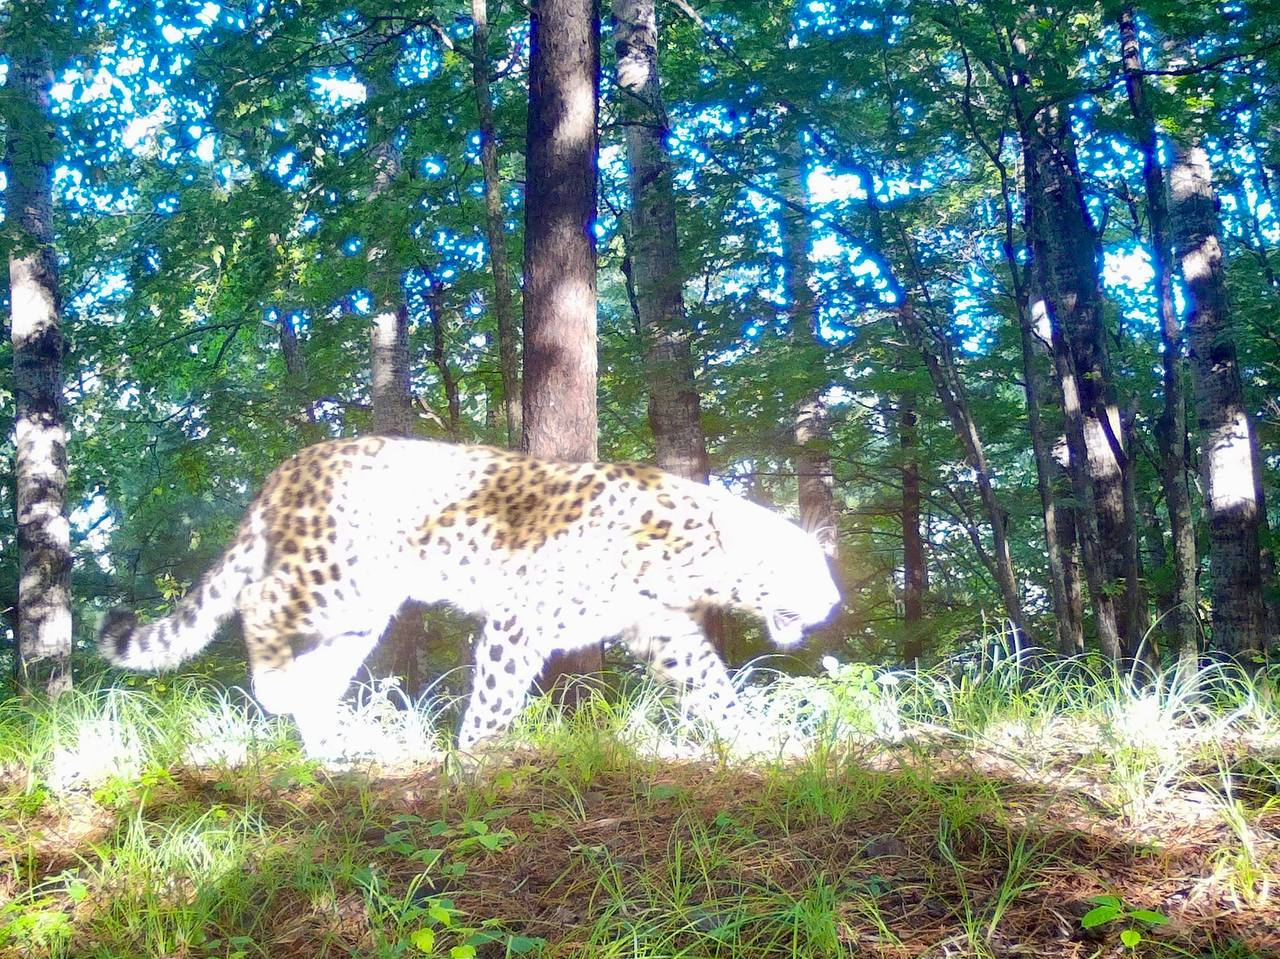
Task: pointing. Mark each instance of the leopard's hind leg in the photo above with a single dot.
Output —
(300, 664)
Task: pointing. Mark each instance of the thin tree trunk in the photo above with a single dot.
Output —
(811, 430)
(915, 569)
(440, 359)
(1059, 528)
(295, 369)
(1172, 431)
(560, 259)
(956, 405)
(40, 434)
(675, 414)
(503, 303)
(1071, 568)
(1069, 625)
(1227, 439)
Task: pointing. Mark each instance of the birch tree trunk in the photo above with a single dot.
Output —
(1172, 433)
(44, 534)
(560, 258)
(495, 231)
(1227, 440)
(675, 414)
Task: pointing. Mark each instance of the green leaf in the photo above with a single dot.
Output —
(462, 952)
(425, 940)
(1099, 916)
(1150, 917)
(1131, 938)
(519, 945)
(428, 857)
(440, 914)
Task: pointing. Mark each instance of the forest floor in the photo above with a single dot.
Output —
(925, 815)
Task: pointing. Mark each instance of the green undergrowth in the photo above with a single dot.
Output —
(984, 812)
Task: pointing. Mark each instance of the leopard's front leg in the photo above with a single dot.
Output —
(675, 648)
(505, 667)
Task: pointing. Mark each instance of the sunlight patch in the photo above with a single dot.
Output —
(103, 748)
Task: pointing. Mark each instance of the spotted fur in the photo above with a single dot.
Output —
(554, 556)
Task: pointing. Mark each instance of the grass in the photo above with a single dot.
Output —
(986, 813)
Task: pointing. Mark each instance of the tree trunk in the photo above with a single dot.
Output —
(559, 387)
(1069, 625)
(1064, 261)
(40, 435)
(389, 361)
(1227, 439)
(956, 405)
(1068, 530)
(1172, 431)
(396, 654)
(295, 369)
(811, 431)
(915, 570)
(503, 304)
(440, 359)
(1059, 521)
(675, 414)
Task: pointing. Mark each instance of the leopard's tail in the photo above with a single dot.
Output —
(165, 643)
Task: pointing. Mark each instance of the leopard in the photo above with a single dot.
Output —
(552, 556)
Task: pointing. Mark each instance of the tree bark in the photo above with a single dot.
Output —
(295, 369)
(440, 359)
(1227, 439)
(675, 414)
(915, 569)
(396, 654)
(559, 387)
(1172, 432)
(1065, 266)
(503, 303)
(1058, 534)
(40, 434)
(811, 430)
(389, 361)
(955, 403)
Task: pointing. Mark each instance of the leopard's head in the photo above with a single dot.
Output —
(782, 571)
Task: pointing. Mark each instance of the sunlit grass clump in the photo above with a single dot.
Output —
(975, 809)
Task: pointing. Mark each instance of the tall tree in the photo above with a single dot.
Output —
(390, 367)
(915, 569)
(811, 428)
(675, 414)
(1058, 520)
(560, 257)
(43, 532)
(495, 230)
(1065, 274)
(1172, 433)
(1228, 454)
